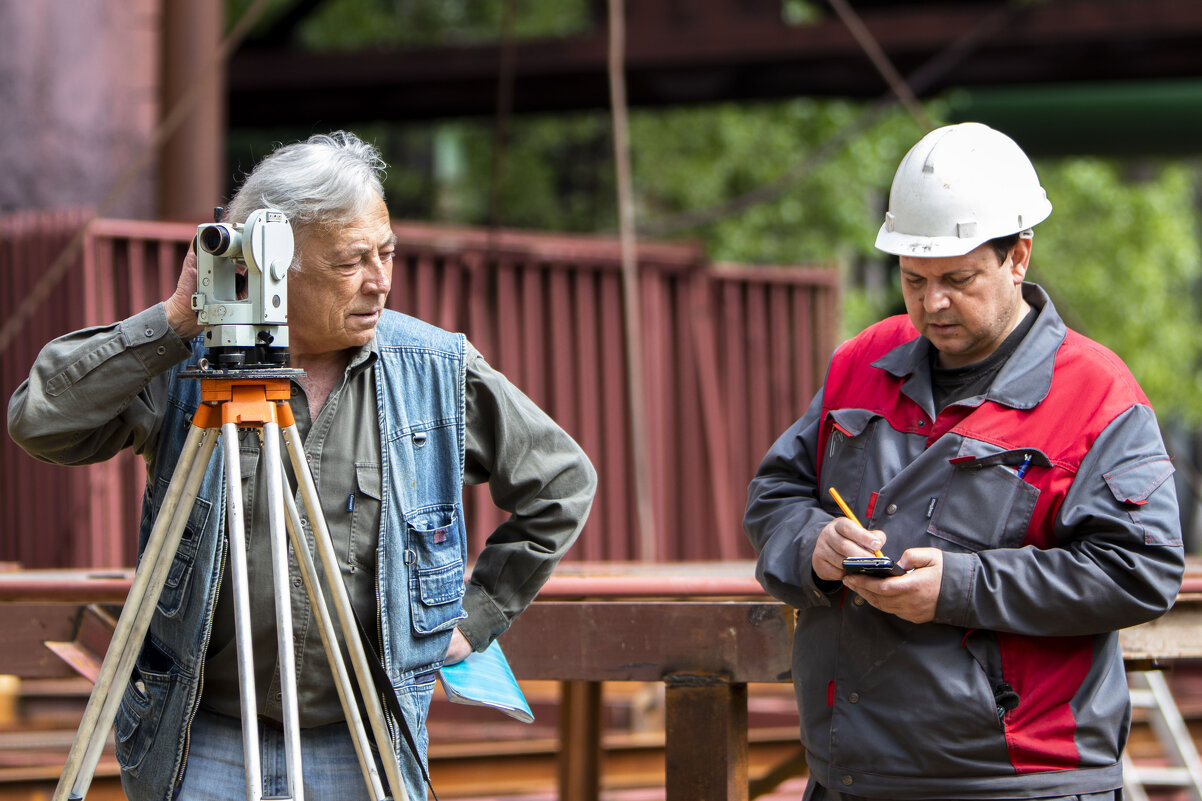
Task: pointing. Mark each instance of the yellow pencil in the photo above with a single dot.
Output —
(849, 513)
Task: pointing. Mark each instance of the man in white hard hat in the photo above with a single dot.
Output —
(1015, 472)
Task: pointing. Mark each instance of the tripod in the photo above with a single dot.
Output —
(258, 399)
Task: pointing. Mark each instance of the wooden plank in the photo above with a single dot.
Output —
(705, 739)
(645, 641)
(600, 640)
(24, 630)
(580, 727)
(1175, 635)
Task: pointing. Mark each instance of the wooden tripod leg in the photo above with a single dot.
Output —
(140, 604)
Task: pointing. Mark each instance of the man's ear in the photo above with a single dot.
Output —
(1020, 259)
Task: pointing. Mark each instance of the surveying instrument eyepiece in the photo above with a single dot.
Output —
(242, 302)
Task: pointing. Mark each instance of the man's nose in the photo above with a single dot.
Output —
(935, 299)
(379, 277)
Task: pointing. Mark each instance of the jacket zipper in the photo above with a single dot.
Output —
(388, 723)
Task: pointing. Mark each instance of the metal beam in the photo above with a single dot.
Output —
(725, 50)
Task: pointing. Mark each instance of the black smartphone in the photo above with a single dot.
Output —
(876, 566)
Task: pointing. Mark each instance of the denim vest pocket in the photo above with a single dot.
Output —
(137, 720)
(434, 555)
(176, 585)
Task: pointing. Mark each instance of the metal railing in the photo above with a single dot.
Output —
(732, 355)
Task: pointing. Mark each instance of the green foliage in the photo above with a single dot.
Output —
(1120, 258)
(1119, 255)
(557, 173)
(695, 158)
(356, 24)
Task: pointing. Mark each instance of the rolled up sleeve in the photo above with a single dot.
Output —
(94, 392)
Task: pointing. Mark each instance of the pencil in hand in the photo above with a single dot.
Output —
(849, 514)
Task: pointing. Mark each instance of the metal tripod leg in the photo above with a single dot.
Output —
(144, 593)
(346, 619)
(329, 641)
(283, 607)
(283, 614)
(236, 532)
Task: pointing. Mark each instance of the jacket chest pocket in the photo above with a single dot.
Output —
(845, 455)
(987, 502)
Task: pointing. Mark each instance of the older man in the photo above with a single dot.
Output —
(395, 416)
(1014, 468)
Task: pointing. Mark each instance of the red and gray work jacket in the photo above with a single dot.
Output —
(1052, 500)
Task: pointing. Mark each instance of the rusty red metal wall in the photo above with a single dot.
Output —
(86, 516)
(38, 503)
(732, 355)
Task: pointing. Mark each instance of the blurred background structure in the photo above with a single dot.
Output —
(664, 267)
(761, 132)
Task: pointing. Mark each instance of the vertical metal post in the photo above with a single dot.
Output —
(192, 162)
(631, 297)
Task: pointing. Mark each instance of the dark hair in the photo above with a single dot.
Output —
(1002, 246)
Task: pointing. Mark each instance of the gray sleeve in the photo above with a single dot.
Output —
(538, 474)
(783, 516)
(1120, 561)
(94, 392)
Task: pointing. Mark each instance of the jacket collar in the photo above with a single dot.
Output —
(1025, 379)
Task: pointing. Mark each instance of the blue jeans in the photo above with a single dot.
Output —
(215, 762)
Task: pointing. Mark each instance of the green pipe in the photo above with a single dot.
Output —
(1136, 118)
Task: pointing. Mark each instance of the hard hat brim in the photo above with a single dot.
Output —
(931, 247)
(937, 247)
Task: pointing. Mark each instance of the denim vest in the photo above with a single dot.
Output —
(421, 556)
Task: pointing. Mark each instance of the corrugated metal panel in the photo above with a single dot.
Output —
(128, 266)
(731, 356)
(44, 509)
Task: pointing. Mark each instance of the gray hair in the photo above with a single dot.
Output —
(329, 179)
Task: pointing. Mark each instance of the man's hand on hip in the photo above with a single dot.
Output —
(458, 650)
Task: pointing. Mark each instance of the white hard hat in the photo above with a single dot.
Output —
(959, 187)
